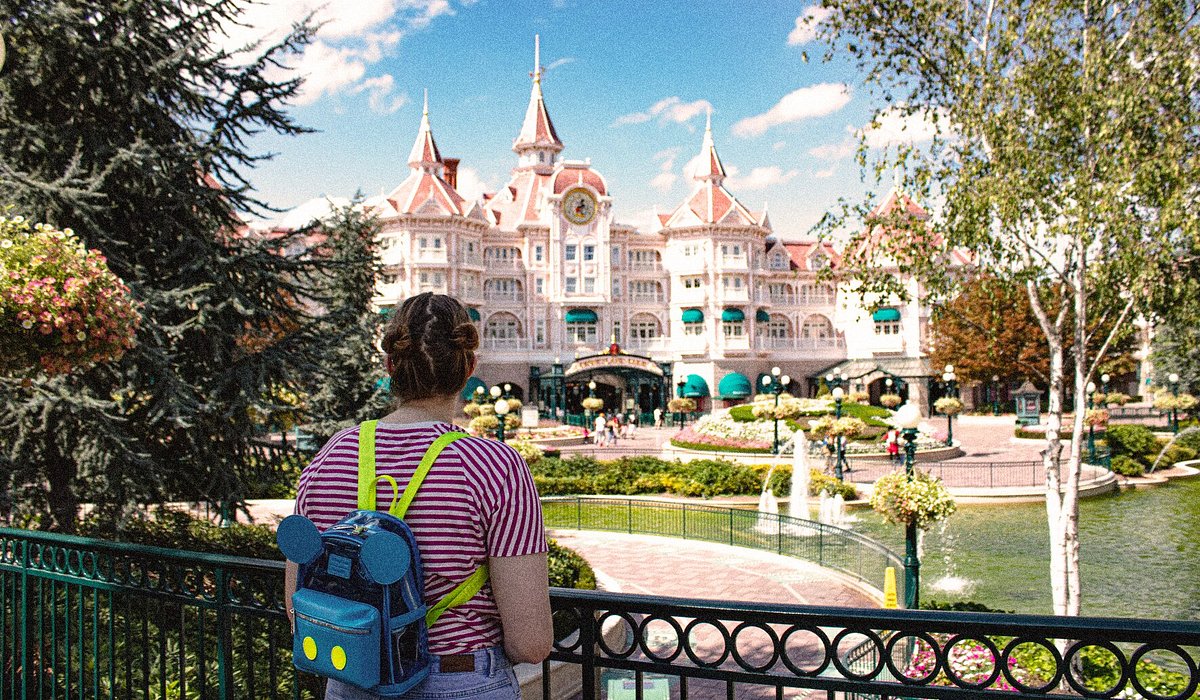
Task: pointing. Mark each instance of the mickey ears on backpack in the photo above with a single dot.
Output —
(298, 539)
(385, 556)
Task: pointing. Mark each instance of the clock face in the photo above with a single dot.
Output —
(579, 206)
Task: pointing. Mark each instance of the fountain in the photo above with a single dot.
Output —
(798, 503)
(949, 583)
(1170, 442)
(768, 506)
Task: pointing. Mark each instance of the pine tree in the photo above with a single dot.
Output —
(349, 390)
(128, 123)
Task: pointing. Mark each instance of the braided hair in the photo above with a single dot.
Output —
(430, 342)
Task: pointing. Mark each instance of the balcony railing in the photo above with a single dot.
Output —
(431, 256)
(504, 264)
(83, 618)
(646, 267)
(820, 343)
(646, 298)
(505, 343)
(492, 295)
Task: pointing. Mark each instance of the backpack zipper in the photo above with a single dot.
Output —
(330, 625)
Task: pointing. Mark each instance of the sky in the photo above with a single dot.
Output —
(627, 85)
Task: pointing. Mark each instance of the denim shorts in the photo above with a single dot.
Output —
(492, 679)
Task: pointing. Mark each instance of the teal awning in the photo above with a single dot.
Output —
(474, 314)
(384, 383)
(581, 316)
(734, 386)
(695, 388)
(732, 314)
(693, 316)
(385, 311)
(886, 315)
(472, 384)
(762, 316)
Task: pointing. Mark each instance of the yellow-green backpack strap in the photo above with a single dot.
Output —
(461, 594)
(366, 465)
(400, 507)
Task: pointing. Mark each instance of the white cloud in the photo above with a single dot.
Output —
(690, 167)
(668, 109)
(807, 102)
(833, 151)
(778, 146)
(759, 178)
(352, 36)
(893, 127)
(824, 174)
(471, 184)
(664, 181)
(310, 211)
(560, 62)
(805, 30)
(644, 220)
(380, 99)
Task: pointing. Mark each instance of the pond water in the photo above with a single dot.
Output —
(1139, 551)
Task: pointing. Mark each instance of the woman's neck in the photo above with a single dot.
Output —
(434, 408)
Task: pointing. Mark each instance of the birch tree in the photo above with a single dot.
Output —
(1063, 160)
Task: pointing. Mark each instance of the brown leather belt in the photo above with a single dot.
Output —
(457, 663)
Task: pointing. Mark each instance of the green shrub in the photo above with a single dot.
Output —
(179, 530)
(569, 570)
(1126, 466)
(819, 481)
(742, 414)
(1024, 434)
(960, 606)
(1136, 441)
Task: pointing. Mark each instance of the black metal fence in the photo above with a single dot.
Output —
(84, 618)
(964, 474)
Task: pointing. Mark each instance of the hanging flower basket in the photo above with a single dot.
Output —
(890, 400)
(61, 308)
(923, 500)
(1116, 398)
(681, 405)
(1096, 417)
(593, 404)
(948, 406)
(471, 409)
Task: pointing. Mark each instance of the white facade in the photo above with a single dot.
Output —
(553, 276)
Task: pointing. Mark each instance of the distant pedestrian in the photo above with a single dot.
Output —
(893, 445)
(658, 416)
(614, 428)
(600, 433)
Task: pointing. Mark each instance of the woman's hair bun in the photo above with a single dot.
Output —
(465, 336)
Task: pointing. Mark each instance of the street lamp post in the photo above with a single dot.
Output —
(1104, 379)
(501, 412)
(907, 419)
(1091, 392)
(776, 384)
(587, 412)
(682, 383)
(1174, 380)
(508, 391)
(995, 394)
(840, 463)
(948, 381)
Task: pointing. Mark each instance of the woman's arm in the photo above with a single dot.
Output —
(522, 589)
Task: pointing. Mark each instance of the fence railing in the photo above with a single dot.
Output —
(1026, 473)
(83, 618)
(825, 545)
(1144, 415)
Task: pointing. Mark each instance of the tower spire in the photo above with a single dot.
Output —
(710, 167)
(424, 154)
(537, 143)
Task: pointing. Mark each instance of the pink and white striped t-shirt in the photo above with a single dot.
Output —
(477, 501)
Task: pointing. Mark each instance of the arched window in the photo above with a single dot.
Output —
(816, 326)
(502, 325)
(643, 328)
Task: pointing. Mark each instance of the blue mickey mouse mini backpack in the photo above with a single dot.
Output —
(359, 607)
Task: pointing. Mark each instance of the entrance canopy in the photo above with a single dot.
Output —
(472, 384)
(695, 387)
(609, 362)
(734, 386)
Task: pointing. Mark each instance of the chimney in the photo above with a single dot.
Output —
(451, 174)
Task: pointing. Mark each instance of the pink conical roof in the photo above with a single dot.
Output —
(710, 167)
(424, 153)
(537, 131)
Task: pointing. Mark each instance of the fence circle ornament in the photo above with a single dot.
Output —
(826, 651)
(983, 641)
(633, 626)
(737, 656)
(875, 640)
(1069, 662)
(889, 658)
(573, 621)
(1175, 649)
(687, 641)
(644, 636)
(1016, 682)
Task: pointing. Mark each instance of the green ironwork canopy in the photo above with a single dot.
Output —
(581, 316)
(473, 313)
